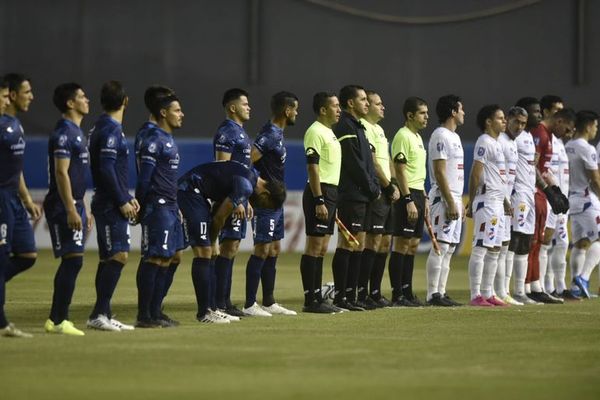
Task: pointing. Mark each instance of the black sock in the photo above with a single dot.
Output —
(395, 267)
(4, 261)
(107, 278)
(221, 271)
(169, 278)
(339, 265)
(407, 275)
(353, 273)
(319, 279)
(201, 280)
(212, 276)
(267, 279)
(64, 287)
(146, 279)
(366, 265)
(158, 294)
(253, 270)
(307, 272)
(16, 266)
(377, 275)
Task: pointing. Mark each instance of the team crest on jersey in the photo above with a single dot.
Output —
(62, 139)
(522, 207)
(480, 151)
(79, 138)
(536, 140)
(440, 146)
(152, 148)
(494, 221)
(221, 139)
(110, 142)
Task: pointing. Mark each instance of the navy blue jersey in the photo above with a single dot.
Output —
(108, 160)
(159, 162)
(219, 180)
(270, 144)
(139, 139)
(232, 138)
(12, 148)
(67, 142)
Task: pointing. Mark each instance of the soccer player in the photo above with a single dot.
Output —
(67, 215)
(268, 156)
(6, 329)
(447, 176)
(112, 206)
(13, 190)
(357, 187)
(156, 190)
(409, 157)
(323, 163)
(229, 184)
(584, 193)
(379, 212)
(487, 206)
(231, 142)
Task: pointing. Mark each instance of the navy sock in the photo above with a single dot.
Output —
(213, 285)
(17, 265)
(159, 292)
(407, 275)
(4, 261)
(377, 275)
(339, 265)
(169, 278)
(395, 270)
(366, 265)
(253, 271)
(269, 272)
(353, 272)
(201, 280)
(64, 287)
(307, 272)
(146, 279)
(221, 270)
(318, 279)
(107, 278)
(98, 276)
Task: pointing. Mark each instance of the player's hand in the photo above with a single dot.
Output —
(135, 204)
(396, 194)
(214, 247)
(74, 220)
(468, 211)
(452, 211)
(239, 212)
(250, 213)
(89, 222)
(128, 211)
(412, 212)
(33, 209)
(321, 212)
(507, 208)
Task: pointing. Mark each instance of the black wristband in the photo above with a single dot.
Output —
(319, 200)
(407, 199)
(389, 189)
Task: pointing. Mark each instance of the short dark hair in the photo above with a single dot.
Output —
(281, 100)
(485, 113)
(161, 102)
(566, 114)
(3, 83)
(348, 92)
(412, 104)
(274, 199)
(63, 93)
(445, 105)
(15, 80)
(547, 101)
(320, 99)
(233, 94)
(526, 102)
(156, 91)
(112, 96)
(584, 118)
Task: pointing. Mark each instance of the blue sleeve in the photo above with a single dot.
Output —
(242, 189)
(61, 145)
(148, 153)
(225, 141)
(263, 144)
(108, 158)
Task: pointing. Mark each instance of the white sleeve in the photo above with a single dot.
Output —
(439, 148)
(590, 159)
(481, 151)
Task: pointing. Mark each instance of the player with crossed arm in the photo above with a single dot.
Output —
(268, 156)
(68, 218)
(447, 175)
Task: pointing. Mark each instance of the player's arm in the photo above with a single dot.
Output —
(314, 182)
(63, 184)
(405, 197)
(439, 172)
(147, 166)
(34, 210)
(223, 212)
(222, 156)
(389, 189)
(108, 174)
(255, 154)
(594, 177)
(474, 180)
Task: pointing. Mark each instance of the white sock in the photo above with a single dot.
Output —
(490, 265)
(576, 261)
(549, 277)
(558, 263)
(445, 270)
(520, 270)
(510, 256)
(536, 286)
(476, 270)
(592, 258)
(499, 280)
(434, 268)
(528, 288)
(543, 265)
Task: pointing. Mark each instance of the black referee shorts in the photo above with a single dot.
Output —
(379, 216)
(401, 226)
(314, 226)
(353, 215)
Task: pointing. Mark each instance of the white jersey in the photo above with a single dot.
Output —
(446, 145)
(582, 158)
(493, 183)
(558, 148)
(525, 177)
(511, 157)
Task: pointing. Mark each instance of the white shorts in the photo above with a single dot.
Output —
(561, 234)
(506, 230)
(488, 222)
(586, 225)
(445, 230)
(551, 218)
(523, 219)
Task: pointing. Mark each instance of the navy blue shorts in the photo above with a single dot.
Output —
(196, 218)
(233, 229)
(15, 230)
(162, 232)
(64, 239)
(267, 225)
(112, 231)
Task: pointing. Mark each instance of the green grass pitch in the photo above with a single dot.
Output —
(536, 352)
